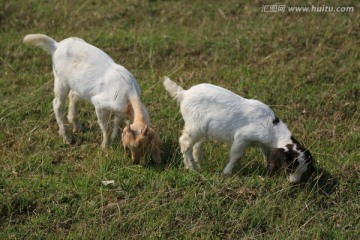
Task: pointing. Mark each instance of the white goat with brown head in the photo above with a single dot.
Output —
(83, 71)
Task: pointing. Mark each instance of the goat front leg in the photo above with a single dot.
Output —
(237, 151)
(187, 142)
(58, 106)
(198, 153)
(266, 151)
(73, 112)
(117, 121)
(103, 117)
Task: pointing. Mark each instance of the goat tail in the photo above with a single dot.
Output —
(173, 89)
(48, 44)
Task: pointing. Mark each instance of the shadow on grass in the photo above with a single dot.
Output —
(320, 181)
(251, 168)
(170, 156)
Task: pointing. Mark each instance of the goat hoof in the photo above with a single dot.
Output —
(225, 175)
(104, 146)
(79, 129)
(197, 167)
(70, 141)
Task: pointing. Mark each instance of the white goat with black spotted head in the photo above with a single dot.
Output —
(217, 113)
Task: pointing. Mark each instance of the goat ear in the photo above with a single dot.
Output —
(145, 131)
(277, 159)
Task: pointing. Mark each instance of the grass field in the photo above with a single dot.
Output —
(304, 65)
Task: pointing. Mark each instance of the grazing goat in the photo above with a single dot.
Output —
(214, 112)
(83, 71)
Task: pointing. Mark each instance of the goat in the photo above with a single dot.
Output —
(217, 113)
(83, 71)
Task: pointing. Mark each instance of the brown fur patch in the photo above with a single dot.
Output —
(279, 158)
(276, 160)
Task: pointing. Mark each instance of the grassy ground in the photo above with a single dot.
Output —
(305, 65)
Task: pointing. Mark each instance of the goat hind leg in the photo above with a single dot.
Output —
(58, 106)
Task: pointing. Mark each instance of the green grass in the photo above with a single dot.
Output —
(304, 65)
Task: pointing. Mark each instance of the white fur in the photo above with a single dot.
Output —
(217, 113)
(83, 71)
